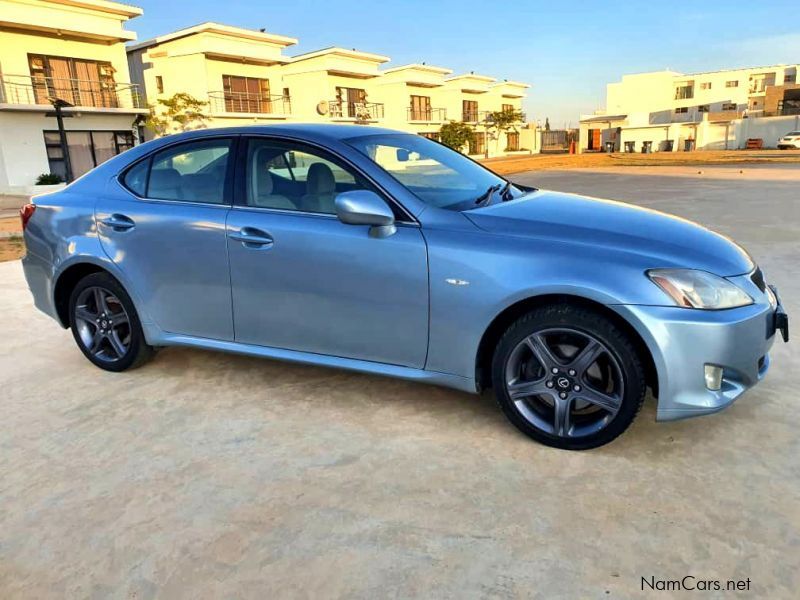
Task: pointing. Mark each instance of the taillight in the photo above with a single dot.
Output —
(25, 214)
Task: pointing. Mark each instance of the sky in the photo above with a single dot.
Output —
(568, 51)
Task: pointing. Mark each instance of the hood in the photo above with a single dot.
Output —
(666, 240)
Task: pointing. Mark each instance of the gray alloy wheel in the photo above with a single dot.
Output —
(565, 382)
(102, 324)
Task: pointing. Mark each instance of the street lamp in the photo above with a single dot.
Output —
(58, 105)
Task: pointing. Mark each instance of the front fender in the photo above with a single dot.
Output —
(474, 277)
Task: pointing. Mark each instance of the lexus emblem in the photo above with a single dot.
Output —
(563, 383)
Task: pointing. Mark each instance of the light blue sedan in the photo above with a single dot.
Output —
(385, 252)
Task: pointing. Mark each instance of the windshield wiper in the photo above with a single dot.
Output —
(505, 195)
(487, 194)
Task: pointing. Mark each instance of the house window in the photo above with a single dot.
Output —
(789, 78)
(681, 110)
(728, 106)
(703, 108)
(706, 85)
(246, 94)
(75, 80)
(512, 141)
(350, 102)
(87, 149)
(683, 92)
(477, 144)
(732, 84)
(160, 84)
(420, 108)
(469, 111)
(507, 108)
(431, 135)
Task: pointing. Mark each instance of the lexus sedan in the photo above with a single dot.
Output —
(385, 252)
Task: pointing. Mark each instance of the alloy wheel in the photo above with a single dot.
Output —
(565, 382)
(102, 324)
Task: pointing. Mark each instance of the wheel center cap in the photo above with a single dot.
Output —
(563, 383)
(104, 323)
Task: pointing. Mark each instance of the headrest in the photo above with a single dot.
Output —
(161, 179)
(320, 179)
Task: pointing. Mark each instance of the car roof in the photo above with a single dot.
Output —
(310, 131)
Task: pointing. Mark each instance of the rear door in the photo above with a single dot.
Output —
(303, 280)
(167, 234)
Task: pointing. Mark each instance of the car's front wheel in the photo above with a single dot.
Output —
(568, 377)
(105, 325)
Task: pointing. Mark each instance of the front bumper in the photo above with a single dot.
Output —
(683, 341)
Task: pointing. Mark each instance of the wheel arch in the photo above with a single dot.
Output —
(66, 282)
(507, 316)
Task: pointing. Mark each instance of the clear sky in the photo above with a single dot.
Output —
(567, 50)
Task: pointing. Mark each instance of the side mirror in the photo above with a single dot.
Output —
(362, 207)
(402, 155)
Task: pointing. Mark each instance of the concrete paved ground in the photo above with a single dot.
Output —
(205, 475)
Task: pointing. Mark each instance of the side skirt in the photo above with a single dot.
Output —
(363, 366)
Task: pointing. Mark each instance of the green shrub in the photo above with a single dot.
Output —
(48, 179)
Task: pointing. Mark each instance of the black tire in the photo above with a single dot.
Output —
(619, 357)
(128, 331)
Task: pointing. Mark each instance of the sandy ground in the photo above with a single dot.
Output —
(204, 475)
(538, 162)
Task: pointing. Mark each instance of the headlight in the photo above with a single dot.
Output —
(699, 289)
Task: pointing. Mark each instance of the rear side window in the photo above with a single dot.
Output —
(190, 172)
(136, 178)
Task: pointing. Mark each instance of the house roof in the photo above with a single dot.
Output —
(343, 52)
(419, 67)
(211, 27)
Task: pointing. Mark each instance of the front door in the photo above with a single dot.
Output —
(303, 280)
(167, 235)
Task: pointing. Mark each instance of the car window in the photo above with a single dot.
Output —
(433, 172)
(286, 177)
(191, 172)
(136, 177)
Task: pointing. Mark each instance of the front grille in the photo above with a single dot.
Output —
(758, 278)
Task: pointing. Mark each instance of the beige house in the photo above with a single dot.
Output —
(72, 51)
(245, 77)
(667, 110)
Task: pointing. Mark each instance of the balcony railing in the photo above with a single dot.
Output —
(431, 115)
(360, 111)
(249, 102)
(27, 90)
(483, 116)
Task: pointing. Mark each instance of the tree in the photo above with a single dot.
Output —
(502, 121)
(456, 135)
(181, 112)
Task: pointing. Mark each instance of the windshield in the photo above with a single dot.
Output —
(433, 172)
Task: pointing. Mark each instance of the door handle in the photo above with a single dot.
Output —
(118, 222)
(252, 237)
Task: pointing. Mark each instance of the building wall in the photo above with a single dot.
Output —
(55, 29)
(312, 80)
(22, 142)
(85, 21)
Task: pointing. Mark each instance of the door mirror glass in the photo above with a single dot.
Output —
(402, 155)
(363, 207)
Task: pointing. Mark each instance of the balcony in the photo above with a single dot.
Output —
(249, 103)
(356, 111)
(25, 92)
(427, 115)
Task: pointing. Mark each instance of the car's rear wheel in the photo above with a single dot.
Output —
(568, 377)
(105, 325)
